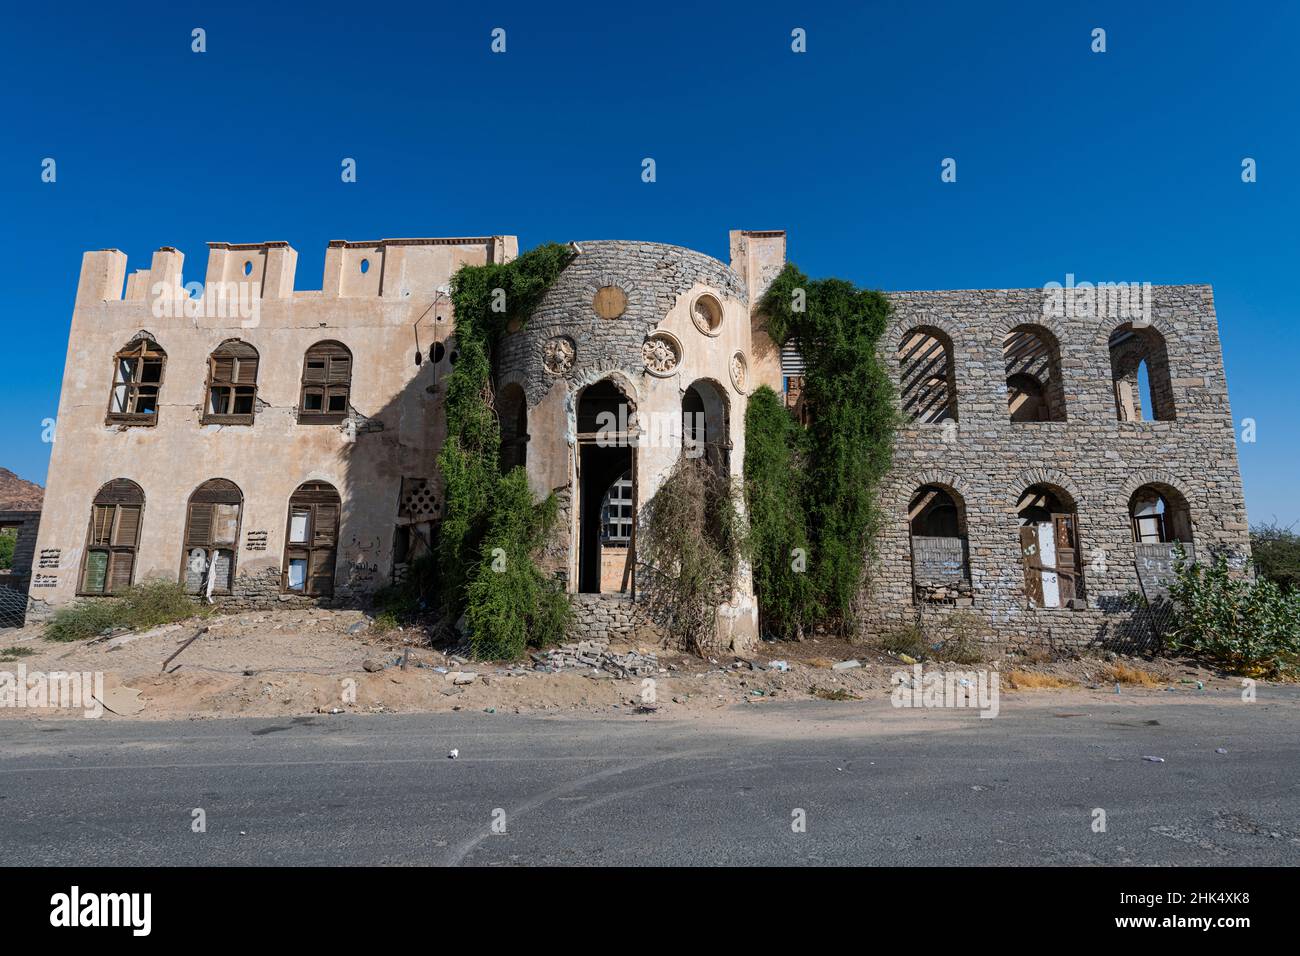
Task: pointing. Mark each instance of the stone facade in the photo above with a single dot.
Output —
(986, 460)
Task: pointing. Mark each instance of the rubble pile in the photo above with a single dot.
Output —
(595, 653)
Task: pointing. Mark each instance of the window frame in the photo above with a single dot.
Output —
(115, 497)
(212, 494)
(311, 497)
(237, 352)
(328, 384)
(140, 350)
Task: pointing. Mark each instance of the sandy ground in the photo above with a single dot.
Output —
(311, 662)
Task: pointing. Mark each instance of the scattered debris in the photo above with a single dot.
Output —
(596, 654)
(453, 753)
(1154, 759)
(1221, 750)
(372, 665)
(782, 666)
(846, 665)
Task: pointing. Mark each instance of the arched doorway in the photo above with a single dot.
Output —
(936, 519)
(606, 463)
(1050, 548)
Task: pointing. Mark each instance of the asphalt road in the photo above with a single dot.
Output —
(876, 786)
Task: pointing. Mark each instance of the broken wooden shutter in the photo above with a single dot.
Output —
(310, 552)
(326, 383)
(212, 535)
(1067, 555)
(112, 538)
(122, 566)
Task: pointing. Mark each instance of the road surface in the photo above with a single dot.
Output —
(870, 784)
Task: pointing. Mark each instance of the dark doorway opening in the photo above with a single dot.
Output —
(606, 498)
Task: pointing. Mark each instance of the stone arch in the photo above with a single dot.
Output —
(927, 375)
(1031, 355)
(1046, 476)
(953, 483)
(1158, 509)
(1130, 348)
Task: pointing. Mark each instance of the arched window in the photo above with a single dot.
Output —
(137, 382)
(1159, 515)
(311, 541)
(1050, 548)
(929, 382)
(512, 412)
(940, 555)
(1033, 369)
(1139, 365)
(704, 424)
(232, 384)
(326, 384)
(212, 537)
(108, 564)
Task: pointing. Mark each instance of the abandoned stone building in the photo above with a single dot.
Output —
(268, 446)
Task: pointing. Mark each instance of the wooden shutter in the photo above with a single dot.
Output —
(325, 525)
(199, 527)
(320, 572)
(127, 533)
(247, 374)
(94, 579)
(223, 369)
(119, 578)
(340, 369)
(1067, 555)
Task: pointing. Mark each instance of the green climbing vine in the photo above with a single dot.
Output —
(811, 493)
(492, 527)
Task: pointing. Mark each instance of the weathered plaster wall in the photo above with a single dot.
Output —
(393, 429)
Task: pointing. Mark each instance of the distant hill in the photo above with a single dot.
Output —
(17, 494)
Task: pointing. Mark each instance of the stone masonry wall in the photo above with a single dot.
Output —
(1095, 459)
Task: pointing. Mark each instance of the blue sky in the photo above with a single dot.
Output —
(1116, 166)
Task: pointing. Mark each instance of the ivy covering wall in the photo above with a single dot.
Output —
(492, 527)
(811, 492)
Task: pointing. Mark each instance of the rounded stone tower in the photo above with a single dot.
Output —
(639, 353)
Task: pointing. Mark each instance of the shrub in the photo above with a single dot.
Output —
(909, 639)
(690, 544)
(1248, 626)
(834, 466)
(966, 640)
(139, 608)
(512, 604)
